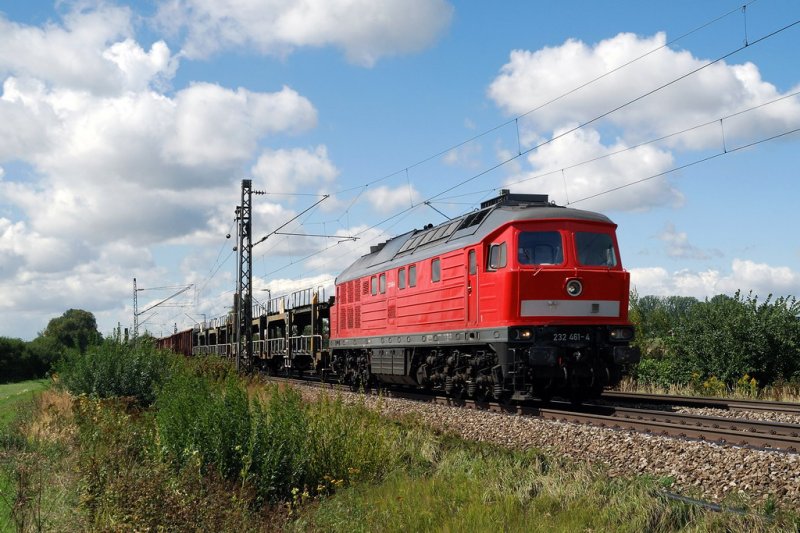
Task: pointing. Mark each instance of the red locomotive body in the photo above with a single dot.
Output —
(521, 298)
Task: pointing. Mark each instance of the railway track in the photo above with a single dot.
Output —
(703, 401)
(756, 434)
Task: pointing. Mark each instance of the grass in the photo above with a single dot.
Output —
(11, 394)
(475, 487)
(776, 393)
(220, 454)
(37, 479)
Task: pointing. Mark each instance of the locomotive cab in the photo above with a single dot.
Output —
(559, 285)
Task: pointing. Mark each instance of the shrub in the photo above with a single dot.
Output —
(197, 417)
(278, 445)
(664, 371)
(276, 459)
(729, 337)
(115, 370)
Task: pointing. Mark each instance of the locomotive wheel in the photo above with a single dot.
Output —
(482, 395)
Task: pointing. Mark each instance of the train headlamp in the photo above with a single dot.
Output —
(524, 334)
(621, 334)
(574, 287)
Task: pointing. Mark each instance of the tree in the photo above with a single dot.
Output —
(13, 360)
(75, 329)
(729, 337)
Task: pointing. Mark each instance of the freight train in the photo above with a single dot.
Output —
(519, 299)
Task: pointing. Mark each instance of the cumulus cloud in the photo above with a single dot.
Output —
(385, 199)
(214, 124)
(92, 51)
(108, 161)
(115, 162)
(744, 275)
(295, 170)
(336, 255)
(365, 30)
(533, 78)
(580, 184)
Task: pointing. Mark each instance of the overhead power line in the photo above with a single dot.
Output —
(362, 188)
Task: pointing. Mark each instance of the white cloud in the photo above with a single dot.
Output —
(533, 78)
(744, 275)
(365, 29)
(92, 51)
(113, 161)
(122, 165)
(214, 124)
(295, 170)
(585, 181)
(385, 199)
(338, 255)
(286, 286)
(140, 68)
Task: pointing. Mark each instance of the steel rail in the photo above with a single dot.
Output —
(705, 401)
(690, 419)
(727, 431)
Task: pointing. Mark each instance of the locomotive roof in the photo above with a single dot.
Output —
(462, 231)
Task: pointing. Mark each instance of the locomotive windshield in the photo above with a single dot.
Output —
(595, 249)
(540, 248)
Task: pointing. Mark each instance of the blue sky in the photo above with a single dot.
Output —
(126, 129)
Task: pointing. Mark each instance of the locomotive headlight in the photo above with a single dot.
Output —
(524, 334)
(621, 334)
(574, 287)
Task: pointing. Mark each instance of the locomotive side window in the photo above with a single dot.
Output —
(401, 278)
(374, 283)
(497, 256)
(540, 248)
(412, 276)
(382, 283)
(595, 249)
(436, 270)
(473, 262)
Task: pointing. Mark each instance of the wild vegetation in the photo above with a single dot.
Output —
(215, 452)
(132, 438)
(726, 344)
(74, 331)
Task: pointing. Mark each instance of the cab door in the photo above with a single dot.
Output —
(472, 286)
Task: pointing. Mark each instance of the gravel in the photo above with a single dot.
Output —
(700, 469)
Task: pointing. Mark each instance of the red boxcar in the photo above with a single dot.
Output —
(180, 342)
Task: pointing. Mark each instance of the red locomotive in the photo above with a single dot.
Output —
(519, 299)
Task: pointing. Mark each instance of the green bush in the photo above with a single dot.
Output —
(724, 337)
(276, 459)
(115, 370)
(279, 446)
(729, 337)
(664, 371)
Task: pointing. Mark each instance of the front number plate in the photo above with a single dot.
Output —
(571, 336)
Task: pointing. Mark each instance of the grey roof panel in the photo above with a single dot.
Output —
(396, 253)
